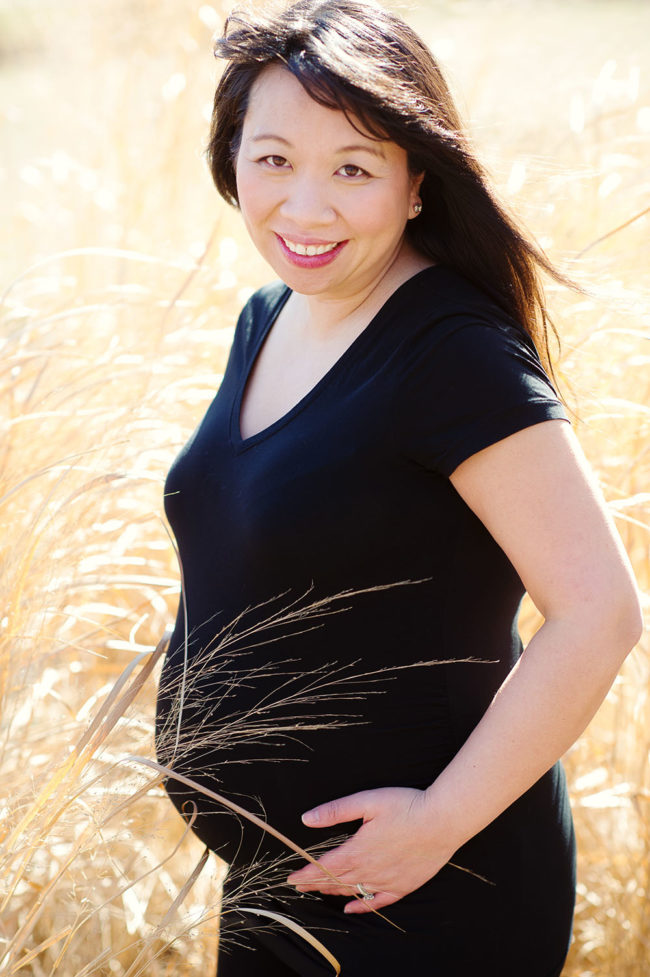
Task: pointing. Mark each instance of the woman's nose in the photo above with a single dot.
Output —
(307, 203)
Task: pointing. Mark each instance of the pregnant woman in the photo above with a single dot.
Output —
(384, 470)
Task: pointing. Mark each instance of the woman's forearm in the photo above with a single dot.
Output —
(541, 709)
(408, 835)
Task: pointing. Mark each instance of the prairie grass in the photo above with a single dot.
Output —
(122, 278)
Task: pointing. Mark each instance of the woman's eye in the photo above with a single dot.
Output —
(349, 169)
(275, 162)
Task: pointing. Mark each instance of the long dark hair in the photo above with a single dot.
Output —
(358, 57)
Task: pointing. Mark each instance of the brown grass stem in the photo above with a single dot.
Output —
(615, 230)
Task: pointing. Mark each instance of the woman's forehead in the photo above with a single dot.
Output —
(276, 89)
(280, 107)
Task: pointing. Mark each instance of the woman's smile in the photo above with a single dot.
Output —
(310, 255)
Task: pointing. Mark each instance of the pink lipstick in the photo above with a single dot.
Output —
(310, 260)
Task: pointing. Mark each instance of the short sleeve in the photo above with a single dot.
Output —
(471, 384)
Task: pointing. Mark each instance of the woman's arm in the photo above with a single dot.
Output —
(536, 496)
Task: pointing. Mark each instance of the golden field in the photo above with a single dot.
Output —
(122, 274)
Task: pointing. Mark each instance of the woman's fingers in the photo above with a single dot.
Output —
(328, 887)
(351, 808)
(357, 903)
(338, 863)
(362, 905)
(394, 851)
(343, 887)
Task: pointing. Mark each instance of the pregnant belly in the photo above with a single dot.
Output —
(278, 745)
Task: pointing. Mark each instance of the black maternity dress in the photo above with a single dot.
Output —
(334, 586)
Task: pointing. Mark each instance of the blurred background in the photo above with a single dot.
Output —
(121, 275)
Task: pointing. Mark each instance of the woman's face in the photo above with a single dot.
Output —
(325, 205)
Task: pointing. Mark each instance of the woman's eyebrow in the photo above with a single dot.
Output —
(270, 135)
(361, 147)
(356, 147)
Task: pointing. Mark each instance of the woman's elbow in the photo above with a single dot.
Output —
(620, 621)
(605, 619)
(631, 624)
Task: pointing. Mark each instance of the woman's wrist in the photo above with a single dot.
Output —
(444, 818)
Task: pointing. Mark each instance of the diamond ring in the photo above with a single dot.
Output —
(363, 892)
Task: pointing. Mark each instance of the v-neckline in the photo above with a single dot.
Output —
(242, 444)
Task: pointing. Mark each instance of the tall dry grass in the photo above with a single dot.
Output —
(123, 276)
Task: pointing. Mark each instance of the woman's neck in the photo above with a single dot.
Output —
(322, 313)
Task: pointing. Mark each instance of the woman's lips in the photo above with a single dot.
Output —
(328, 252)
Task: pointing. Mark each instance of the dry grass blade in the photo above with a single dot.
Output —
(296, 928)
(38, 950)
(237, 809)
(121, 253)
(111, 710)
(615, 230)
(12, 960)
(136, 966)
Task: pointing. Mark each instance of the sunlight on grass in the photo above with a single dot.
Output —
(122, 277)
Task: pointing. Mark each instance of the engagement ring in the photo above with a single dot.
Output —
(367, 896)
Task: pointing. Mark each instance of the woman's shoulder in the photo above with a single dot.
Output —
(260, 309)
(452, 331)
(441, 301)
(470, 374)
(457, 333)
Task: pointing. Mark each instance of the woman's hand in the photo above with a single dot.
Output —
(395, 850)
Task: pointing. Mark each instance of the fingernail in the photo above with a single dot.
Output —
(311, 817)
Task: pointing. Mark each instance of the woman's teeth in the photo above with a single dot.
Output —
(309, 249)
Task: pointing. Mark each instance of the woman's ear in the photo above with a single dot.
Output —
(415, 203)
(416, 183)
